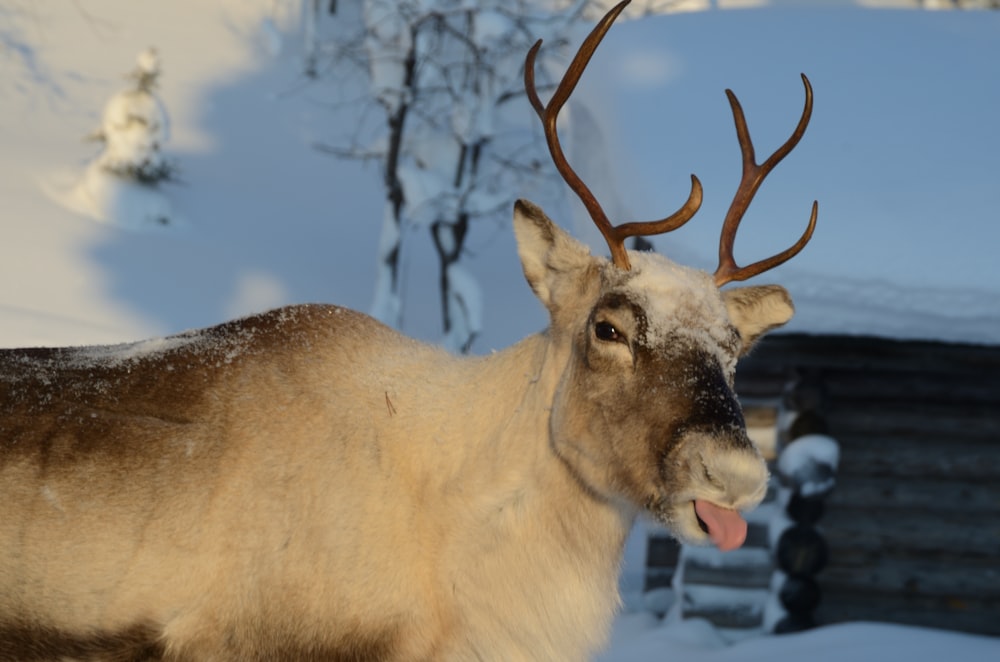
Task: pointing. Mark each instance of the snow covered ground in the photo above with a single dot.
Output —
(903, 155)
(638, 640)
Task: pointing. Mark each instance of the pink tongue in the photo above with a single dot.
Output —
(725, 527)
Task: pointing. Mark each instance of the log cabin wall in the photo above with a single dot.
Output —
(913, 525)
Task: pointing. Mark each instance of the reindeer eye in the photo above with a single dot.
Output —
(607, 331)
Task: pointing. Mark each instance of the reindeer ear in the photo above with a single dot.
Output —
(756, 310)
(546, 251)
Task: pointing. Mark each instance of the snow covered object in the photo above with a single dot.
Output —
(453, 144)
(809, 465)
(120, 186)
(134, 125)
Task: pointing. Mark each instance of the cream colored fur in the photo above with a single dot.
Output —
(309, 484)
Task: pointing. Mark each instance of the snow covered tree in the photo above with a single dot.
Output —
(121, 185)
(134, 125)
(312, 11)
(452, 146)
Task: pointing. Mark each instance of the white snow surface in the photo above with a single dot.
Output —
(902, 154)
(696, 641)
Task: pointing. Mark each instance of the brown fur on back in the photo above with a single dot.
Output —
(122, 454)
(36, 643)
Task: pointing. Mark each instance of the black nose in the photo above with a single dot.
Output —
(714, 403)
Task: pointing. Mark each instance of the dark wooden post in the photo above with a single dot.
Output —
(801, 551)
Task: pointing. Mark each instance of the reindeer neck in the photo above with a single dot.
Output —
(519, 514)
(516, 483)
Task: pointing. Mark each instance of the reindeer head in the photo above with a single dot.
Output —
(645, 409)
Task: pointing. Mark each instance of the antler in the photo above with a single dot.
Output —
(753, 176)
(614, 235)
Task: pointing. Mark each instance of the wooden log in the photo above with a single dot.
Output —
(662, 551)
(974, 616)
(760, 384)
(800, 595)
(807, 391)
(870, 354)
(943, 495)
(742, 576)
(662, 554)
(795, 622)
(806, 510)
(726, 607)
(945, 576)
(927, 422)
(871, 529)
(802, 551)
(939, 387)
(657, 578)
(807, 422)
(757, 534)
(891, 457)
(729, 617)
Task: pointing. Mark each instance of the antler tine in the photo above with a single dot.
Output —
(615, 236)
(753, 176)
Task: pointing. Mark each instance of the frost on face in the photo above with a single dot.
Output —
(681, 302)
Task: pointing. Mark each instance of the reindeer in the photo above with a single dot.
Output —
(308, 484)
